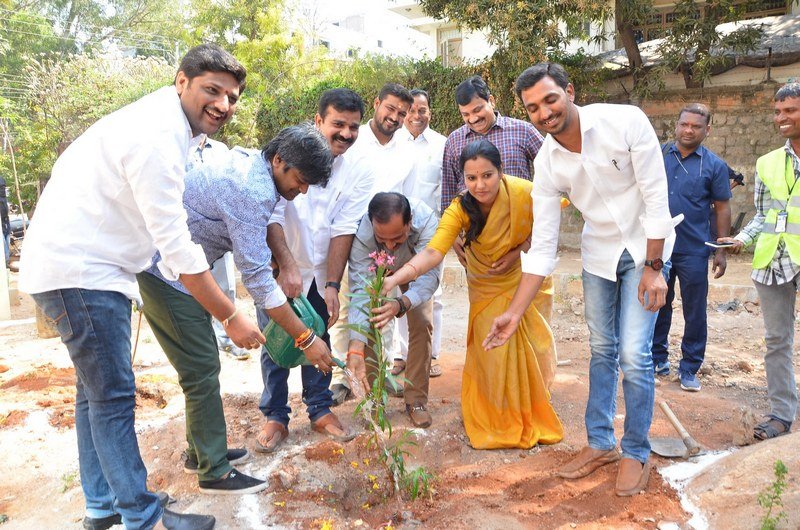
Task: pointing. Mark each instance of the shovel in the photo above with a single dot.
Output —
(684, 447)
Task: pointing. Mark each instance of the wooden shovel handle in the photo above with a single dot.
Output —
(692, 447)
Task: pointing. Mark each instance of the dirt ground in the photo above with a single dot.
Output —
(317, 483)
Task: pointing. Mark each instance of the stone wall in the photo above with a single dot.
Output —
(741, 131)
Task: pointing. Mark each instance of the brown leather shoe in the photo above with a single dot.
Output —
(419, 416)
(587, 461)
(632, 477)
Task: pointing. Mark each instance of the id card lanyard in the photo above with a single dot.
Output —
(783, 215)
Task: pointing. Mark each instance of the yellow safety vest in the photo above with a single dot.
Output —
(776, 172)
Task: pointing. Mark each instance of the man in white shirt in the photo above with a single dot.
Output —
(607, 159)
(310, 238)
(425, 184)
(379, 147)
(114, 199)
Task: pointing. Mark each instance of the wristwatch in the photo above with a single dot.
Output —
(655, 264)
(403, 307)
(335, 285)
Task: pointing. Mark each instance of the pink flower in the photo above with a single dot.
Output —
(390, 260)
(380, 261)
(373, 254)
(371, 268)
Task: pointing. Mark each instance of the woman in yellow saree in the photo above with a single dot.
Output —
(505, 398)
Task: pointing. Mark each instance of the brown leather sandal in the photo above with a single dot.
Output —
(272, 435)
(330, 426)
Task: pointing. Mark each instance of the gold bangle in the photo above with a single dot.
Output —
(228, 320)
(303, 336)
(416, 272)
(304, 347)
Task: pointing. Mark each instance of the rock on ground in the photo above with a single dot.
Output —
(727, 492)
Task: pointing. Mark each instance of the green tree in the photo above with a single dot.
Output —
(526, 32)
(86, 25)
(628, 14)
(696, 48)
(65, 98)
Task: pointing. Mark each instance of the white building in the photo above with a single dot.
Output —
(359, 27)
(444, 39)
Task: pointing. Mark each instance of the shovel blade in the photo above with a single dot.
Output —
(668, 447)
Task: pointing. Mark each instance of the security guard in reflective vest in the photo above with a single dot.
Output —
(776, 261)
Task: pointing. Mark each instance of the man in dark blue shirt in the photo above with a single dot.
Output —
(697, 178)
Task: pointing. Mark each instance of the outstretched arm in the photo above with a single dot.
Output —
(506, 324)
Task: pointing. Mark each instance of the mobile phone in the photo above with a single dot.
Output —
(714, 244)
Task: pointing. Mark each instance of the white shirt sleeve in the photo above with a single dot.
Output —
(650, 175)
(156, 180)
(541, 258)
(355, 206)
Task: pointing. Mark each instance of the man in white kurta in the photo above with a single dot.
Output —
(425, 183)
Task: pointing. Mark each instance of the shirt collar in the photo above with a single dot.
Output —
(500, 122)
(700, 151)
(374, 139)
(587, 122)
(788, 147)
(410, 137)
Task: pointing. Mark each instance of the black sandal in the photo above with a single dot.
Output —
(772, 428)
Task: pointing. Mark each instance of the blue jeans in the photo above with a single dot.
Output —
(95, 326)
(317, 396)
(620, 335)
(692, 272)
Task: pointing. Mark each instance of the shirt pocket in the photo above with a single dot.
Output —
(612, 169)
(700, 188)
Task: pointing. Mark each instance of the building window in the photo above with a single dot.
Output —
(380, 44)
(450, 47)
(659, 22)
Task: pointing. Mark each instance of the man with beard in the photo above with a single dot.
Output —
(606, 158)
(379, 147)
(696, 179)
(114, 199)
(310, 238)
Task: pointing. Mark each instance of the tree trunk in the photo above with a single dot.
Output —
(626, 35)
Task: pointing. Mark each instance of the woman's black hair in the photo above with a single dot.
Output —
(478, 149)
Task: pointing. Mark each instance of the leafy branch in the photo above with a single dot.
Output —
(372, 408)
(770, 499)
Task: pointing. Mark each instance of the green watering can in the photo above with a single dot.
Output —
(280, 345)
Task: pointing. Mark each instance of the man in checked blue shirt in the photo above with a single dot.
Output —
(229, 203)
(776, 260)
(696, 179)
